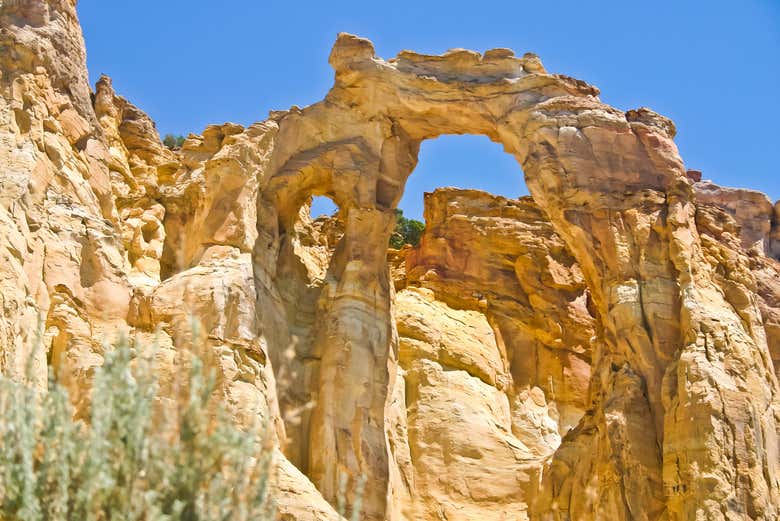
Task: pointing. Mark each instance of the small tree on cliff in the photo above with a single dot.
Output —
(173, 142)
(407, 231)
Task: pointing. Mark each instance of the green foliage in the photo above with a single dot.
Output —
(407, 231)
(141, 456)
(173, 142)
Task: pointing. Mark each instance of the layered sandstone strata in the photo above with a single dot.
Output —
(602, 351)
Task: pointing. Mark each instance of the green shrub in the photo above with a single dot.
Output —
(173, 142)
(407, 231)
(141, 456)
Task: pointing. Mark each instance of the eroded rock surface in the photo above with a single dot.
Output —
(62, 260)
(735, 226)
(503, 257)
(605, 350)
(753, 211)
(104, 231)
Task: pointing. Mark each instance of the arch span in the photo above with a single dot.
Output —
(613, 185)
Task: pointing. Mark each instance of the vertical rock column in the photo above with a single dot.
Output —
(353, 341)
(684, 418)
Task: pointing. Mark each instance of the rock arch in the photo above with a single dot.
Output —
(679, 348)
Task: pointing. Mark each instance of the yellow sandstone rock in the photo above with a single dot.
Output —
(604, 349)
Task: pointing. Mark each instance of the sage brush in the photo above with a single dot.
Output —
(140, 456)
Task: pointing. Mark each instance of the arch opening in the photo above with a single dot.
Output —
(465, 161)
(601, 175)
(322, 206)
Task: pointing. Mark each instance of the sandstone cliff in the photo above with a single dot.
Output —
(605, 349)
(495, 353)
(107, 232)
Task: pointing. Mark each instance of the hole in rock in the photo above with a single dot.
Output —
(312, 237)
(462, 161)
(322, 206)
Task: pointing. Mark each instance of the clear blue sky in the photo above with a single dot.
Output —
(712, 66)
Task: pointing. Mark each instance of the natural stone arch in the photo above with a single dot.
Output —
(613, 185)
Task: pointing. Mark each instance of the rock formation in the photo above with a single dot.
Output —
(604, 349)
(106, 232)
(495, 344)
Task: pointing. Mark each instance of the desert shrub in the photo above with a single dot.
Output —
(140, 456)
(407, 231)
(173, 142)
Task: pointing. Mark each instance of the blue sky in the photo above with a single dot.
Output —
(712, 66)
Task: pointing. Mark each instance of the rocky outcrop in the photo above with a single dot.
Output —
(753, 212)
(62, 263)
(602, 350)
(736, 227)
(502, 257)
(457, 454)
(494, 356)
(138, 164)
(665, 409)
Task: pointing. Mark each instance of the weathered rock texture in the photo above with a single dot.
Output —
(736, 227)
(495, 346)
(752, 211)
(603, 350)
(104, 231)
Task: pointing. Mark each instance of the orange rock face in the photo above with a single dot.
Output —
(503, 258)
(495, 344)
(606, 349)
